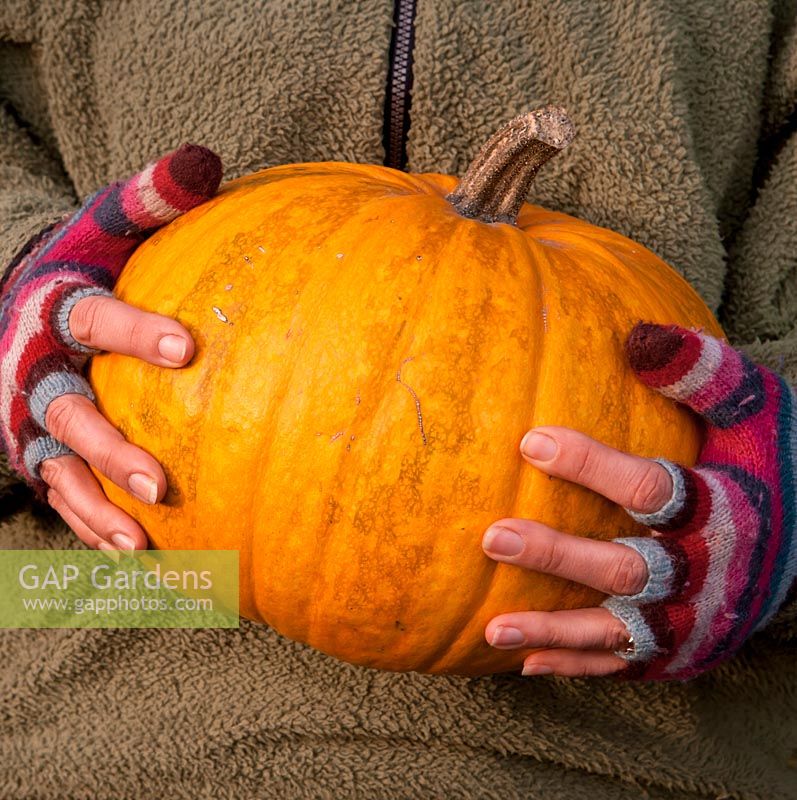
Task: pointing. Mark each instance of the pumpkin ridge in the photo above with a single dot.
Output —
(322, 588)
(288, 374)
(398, 352)
(492, 569)
(365, 211)
(663, 274)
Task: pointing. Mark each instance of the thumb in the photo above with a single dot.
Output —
(703, 372)
(117, 218)
(168, 187)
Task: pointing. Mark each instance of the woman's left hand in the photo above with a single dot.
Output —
(723, 554)
(581, 641)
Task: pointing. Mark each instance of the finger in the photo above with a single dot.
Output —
(105, 323)
(580, 628)
(168, 187)
(72, 479)
(609, 567)
(573, 663)
(638, 484)
(707, 374)
(82, 531)
(113, 221)
(74, 420)
(89, 252)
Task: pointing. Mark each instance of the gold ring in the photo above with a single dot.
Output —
(630, 648)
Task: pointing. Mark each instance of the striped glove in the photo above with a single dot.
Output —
(723, 556)
(77, 256)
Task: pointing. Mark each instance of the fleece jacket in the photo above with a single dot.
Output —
(685, 111)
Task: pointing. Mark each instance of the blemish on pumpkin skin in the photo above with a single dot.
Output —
(414, 397)
(220, 314)
(261, 248)
(334, 512)
(543, 292)
(336, 436)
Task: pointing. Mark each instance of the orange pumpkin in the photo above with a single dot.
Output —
(371, 346)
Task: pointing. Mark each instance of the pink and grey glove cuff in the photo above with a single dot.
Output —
(73, 258)
(723, 556)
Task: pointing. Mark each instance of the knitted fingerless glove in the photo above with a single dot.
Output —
(723, 555)
(77, 256)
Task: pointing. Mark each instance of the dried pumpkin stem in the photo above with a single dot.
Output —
(498, 181)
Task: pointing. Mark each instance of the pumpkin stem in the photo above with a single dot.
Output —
(498, 181)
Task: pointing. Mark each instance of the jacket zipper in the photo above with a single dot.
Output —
(399, 85)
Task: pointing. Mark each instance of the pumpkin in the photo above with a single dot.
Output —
(371, 346)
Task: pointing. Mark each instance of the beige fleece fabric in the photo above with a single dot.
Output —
(686, 112)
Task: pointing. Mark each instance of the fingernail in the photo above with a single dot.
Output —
(123, 542)
(143, 487)
(172, 347)
(506, 636)
(502, 542)
(537, 669)
(538, 446)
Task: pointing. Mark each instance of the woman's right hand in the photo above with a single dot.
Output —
(108, 324)
(56, 310)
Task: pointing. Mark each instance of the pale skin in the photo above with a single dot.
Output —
(574, 643)
(109, 324)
